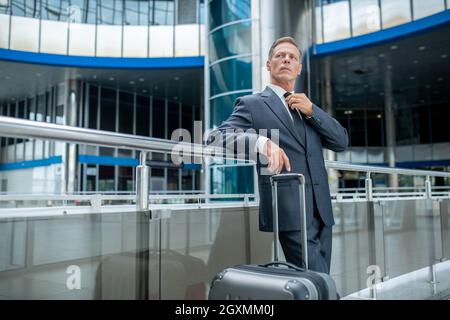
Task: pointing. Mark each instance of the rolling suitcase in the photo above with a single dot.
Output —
(275, 280)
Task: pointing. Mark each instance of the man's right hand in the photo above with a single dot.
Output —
(276, 156)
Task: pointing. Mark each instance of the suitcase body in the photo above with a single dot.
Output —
(275, 280)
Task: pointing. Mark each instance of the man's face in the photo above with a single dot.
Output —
(285, 63)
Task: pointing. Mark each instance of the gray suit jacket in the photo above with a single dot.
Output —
(265, 111)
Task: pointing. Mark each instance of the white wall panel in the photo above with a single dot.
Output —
(54, 37)
(135, 43)
(4, 30)
(161, 41)
(82, 39)
(24, 34)
(109, 41)
(186, 40)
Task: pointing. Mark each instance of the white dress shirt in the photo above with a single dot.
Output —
(279, 91)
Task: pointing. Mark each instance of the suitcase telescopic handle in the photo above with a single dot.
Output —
(288, 176)
(301, 189)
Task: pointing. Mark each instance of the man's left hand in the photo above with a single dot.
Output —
(301, 102)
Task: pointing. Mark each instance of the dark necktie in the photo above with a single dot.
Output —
(298, 122)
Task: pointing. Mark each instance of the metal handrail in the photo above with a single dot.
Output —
(19, 128)
(380, 169)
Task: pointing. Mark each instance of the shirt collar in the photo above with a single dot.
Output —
(278, 90)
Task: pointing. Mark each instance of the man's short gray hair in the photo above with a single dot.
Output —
(282, 40)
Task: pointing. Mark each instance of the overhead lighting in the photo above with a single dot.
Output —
(343, 76)
(348, 112)
(131, 82)
(389, 67)
(381, 55)
(141, 79)
(144, 91)
(444, 56)
(38, 74)
(175, 98)
(394, 47)
(13, 99)
(379, 116)
(94, 76)
(421, 48)
(428, 86)
(440, 79)
(349, 61)
(176, 78)
(416, 61)
(111, 78)
(155, 87)
(412, 78)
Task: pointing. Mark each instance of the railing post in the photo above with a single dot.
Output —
(428, 188)
(142, 175)
(371, 228)
(443, 213)
(429, 209)
(142, 229)
(368, 186)
(385, 257)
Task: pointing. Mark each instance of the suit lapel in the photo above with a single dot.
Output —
(276, 106)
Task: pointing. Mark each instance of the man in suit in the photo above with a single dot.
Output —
(303, 130)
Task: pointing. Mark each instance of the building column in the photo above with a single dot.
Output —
(389, 117)
(326, 104)
(73, 95)
(275, 19)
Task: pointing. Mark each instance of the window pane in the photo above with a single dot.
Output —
(427, 8)
(40, 112)
(187, 122)
(365, 16)
(93, 106)
(108, 110)
(158, 119)
(231, 40)
(143, 13)
(125, 179)
(18, 8)
(403, 126)
(131, 12)
(186, 180)
(92, 11)
(142, 116)
(106, 178)
(395, 12)
(162, 12)
(336, 18)
(374, 128)
(421, 125)
(126, 112)
(440, 118)
(173, 121)
(230, 75)
(221, 12)
(187, 12)
(357, 128)
(172, 179)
